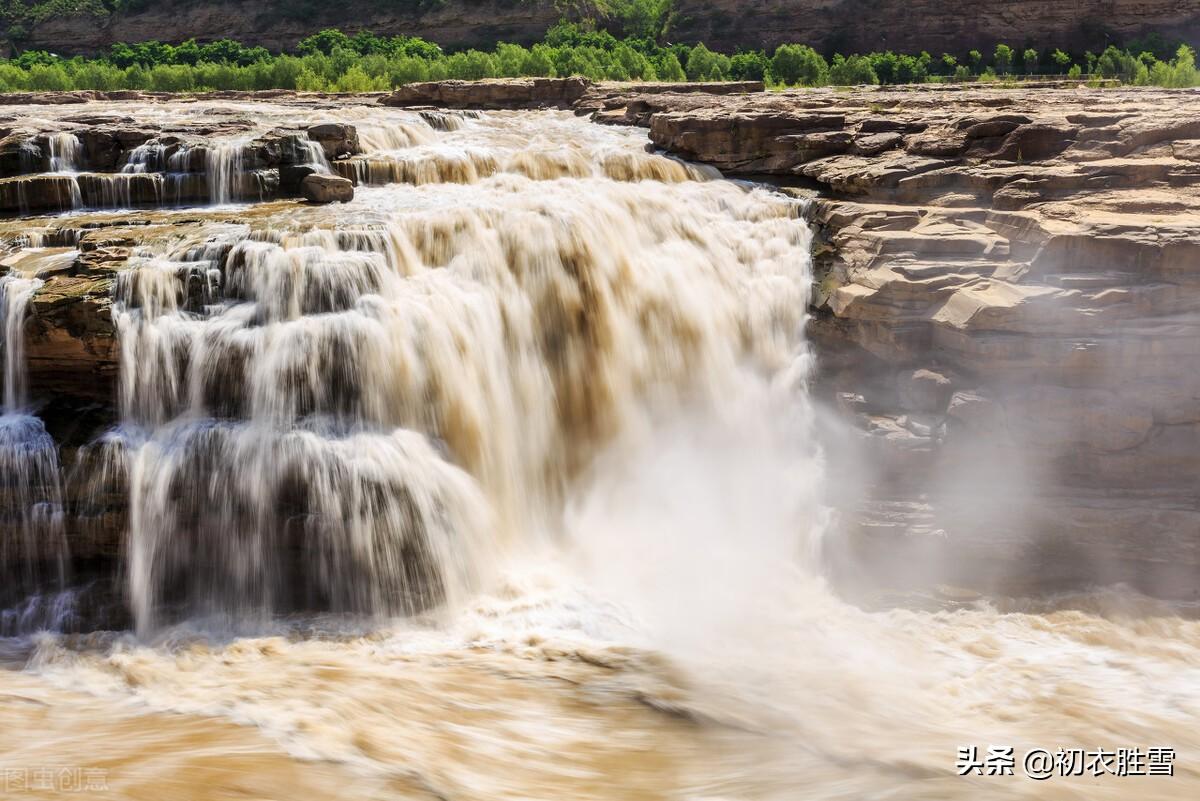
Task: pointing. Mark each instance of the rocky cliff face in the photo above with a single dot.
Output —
(1007, 311)
(280, 25)
(933, 25)
(845, 25)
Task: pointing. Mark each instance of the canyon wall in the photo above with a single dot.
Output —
(829, 25)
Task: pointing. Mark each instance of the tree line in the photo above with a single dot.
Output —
(334, 61)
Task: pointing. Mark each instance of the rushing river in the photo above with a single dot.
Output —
(502, 482)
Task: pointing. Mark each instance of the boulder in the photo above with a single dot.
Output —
(925, 391)
(327, 189)
(291, 176)
(336, 139)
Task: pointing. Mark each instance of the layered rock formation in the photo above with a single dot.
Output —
(505, 93)
(1007, 308)
(854, 26)
(118, 162)
(845, 25)
(1006, 311)
(281, 24)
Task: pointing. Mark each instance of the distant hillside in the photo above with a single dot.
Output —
(86, 26)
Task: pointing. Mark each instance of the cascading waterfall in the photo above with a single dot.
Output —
(148, 157)
(314, 418)
(32, 542)
(15, 293)
(547, 391)
(223, 167)
(64, 155)
(64, 152)
(315, 156)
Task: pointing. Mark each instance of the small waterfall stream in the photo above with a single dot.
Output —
(33, 552)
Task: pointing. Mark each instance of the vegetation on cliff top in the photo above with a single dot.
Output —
(334, 61)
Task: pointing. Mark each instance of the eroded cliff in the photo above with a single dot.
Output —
(845, 25)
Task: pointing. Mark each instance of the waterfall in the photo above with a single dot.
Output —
(513, 456)
(148, 157)
(64, 156)
(321, 418)
(223, 165)
(32, 543)
(15, 294)
(64, 152)
(315, 156)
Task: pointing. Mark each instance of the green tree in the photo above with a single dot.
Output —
(631, 62)
(510, 59)
(1183, 68)
(1119, 64)
(1029, 60)
(798, 64)
(749, 66)
(851, 71)
(1002, 59)
(540, 62)
(700, 63)
(642, 18)
(1061, 60)
(325, 41)
(669, 68)
(976, 59)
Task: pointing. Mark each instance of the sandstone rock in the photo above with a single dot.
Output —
(874, 144)
(336, 139)
(291, 176)
(977, 412)
(925, 391)
(1188, 149)
(501, 93)
(327, 189)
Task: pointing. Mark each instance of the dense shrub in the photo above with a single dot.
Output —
(798, 64)
(331, 60)
(749, 66)
(851, 71)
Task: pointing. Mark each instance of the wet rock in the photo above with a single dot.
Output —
(977, 412)
(327, 189)
(292, 175)
(336, 139)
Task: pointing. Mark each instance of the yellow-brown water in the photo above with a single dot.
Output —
(537, 415)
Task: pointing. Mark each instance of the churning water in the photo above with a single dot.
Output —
(501, 482)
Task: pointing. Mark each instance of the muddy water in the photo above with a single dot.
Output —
(501, 481)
